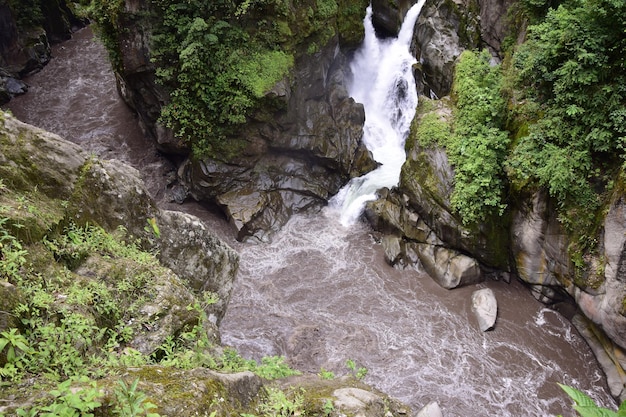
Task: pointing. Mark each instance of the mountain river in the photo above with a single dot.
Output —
(321, 292)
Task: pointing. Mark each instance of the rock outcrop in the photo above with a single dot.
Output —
(540, 247)
(295, 163)
(444, 29)
(428, 230)
(73, 187)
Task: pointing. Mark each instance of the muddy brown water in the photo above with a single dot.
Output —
(321, 294)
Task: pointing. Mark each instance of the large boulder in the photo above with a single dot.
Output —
(485, 308)
(447, 267)
(76, 188)
(431, 409)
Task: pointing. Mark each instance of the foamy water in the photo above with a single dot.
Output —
(321, 294)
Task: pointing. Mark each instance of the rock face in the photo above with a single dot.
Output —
(444, 29)
(540, 247)
(297, 162)
(387, 16)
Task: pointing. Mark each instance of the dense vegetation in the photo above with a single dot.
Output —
(478, 146)
(75, 330)
(218, 59)
(571, 100)
(551, 116)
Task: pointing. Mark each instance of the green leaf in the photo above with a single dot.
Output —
(579, 397)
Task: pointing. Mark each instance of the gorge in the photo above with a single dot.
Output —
(417, 340)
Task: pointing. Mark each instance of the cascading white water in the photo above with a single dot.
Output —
(383, 82)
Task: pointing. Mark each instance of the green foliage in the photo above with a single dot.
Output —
(218, 59)
(261, 71)
(328, 407)
(279, 404)
(478, 147)
(586, 407)
(433, 130)
(76, 243)
(570, 73)
(12, 254)
(68, 401)
(325, 374)
(215, 71)
(131, 402)
(274, 367)
(359, 373)
(106, 14)
(16, 347)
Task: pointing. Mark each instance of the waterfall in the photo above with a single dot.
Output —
(383, 82)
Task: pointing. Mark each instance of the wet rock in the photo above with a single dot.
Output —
(449, 268)
(387, 16)
(392, 246)
(485, 308)
(15, 87)
(431, 409)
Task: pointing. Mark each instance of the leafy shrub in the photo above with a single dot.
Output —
(478, 146)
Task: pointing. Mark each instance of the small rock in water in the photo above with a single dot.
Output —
(485, 307)
(431, 410)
